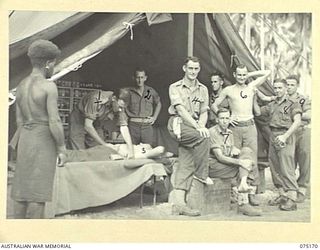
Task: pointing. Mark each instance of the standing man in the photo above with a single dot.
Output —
(40, 134)
(303, 140)
(230, 162)
(189, 105)
(217, 82)
(241, 97)
(143, 109)
(285, 120)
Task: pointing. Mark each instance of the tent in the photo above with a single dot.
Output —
(106, 47)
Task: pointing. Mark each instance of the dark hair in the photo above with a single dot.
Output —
(293, 77)
(280, 80)
(139, 69)
(240, 66)
(41, 51)
(216, 73)
(223, 110)
(191, 58)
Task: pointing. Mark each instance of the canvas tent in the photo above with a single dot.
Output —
(106, 47)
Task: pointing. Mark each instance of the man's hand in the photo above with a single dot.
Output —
(281, 139)
(246, 164)
(62, 159)
(204, 132)
(233, 122)
(151, 120)
(130, 155)
(235, 151)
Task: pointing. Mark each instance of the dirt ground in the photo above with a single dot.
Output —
(128, 208)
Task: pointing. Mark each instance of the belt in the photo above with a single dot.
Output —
(274, 129)
(245, 123)
(139, 120)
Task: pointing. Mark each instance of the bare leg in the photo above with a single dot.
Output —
(20, 209)
(243, 186)
(35, 210)
(149, 153)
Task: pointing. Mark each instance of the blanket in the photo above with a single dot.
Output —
(80, 185)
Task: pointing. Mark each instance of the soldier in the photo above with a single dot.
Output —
(189, 105)
(302, 153)
(285, 118)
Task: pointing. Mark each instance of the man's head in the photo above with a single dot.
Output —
(120, 99)
(43, 54)
(216, 81)
(223, 115)
(241, 74)
(280, 87)
(140, 77)
(191, 68)
(292, 84)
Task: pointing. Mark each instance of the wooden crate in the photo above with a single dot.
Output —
(210, 199)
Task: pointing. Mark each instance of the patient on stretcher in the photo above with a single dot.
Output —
(144, 154)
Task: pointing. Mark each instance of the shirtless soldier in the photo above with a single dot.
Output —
(40, 134)
(240, 97)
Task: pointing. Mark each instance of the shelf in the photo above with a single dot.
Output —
(63, 109)
(67, 97)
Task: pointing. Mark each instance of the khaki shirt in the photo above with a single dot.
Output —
(281, 114)
(221, 139)
(304, 102)
(195, 100)
(142, 106)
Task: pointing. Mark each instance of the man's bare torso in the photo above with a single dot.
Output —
(241, 101)
(32, 98)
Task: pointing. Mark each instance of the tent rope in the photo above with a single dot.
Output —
(129, 26)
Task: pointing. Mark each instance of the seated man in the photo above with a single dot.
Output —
(143, 154)
(224, 164)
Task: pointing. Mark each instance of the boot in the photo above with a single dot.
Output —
(301, 197)
(277, 201)
(289, 205)
(253, 200)
(180, 207)
(184, 210)
(248, 210)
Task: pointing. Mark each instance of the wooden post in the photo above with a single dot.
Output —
(247, 36)
(190, 33)
(262, 43)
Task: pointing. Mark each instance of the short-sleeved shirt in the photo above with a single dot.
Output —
(221, 139)
(281, 113)
(304, 102)
(194, 100)
(142, 105)
(88, 107)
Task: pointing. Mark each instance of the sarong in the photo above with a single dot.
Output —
(36, 163)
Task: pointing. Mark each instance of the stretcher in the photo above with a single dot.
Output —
(80, 185)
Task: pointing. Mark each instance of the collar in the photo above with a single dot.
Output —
(134, 89)
(197, 83)
(286, 98)
(228, 131)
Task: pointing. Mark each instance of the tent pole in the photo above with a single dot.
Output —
(262, 43)
(247, 36)
(190, 33)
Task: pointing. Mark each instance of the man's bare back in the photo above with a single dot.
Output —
(32, 95)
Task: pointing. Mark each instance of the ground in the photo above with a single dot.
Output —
(128, 208)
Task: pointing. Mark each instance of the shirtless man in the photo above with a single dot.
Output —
(40, 134)
(240, 97)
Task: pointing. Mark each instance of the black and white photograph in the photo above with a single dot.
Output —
(159, 116)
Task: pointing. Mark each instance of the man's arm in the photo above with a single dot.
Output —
(246, 164)
(223, 95)
(263, 75)
(155, 115)
(203, 118)
(296, 123)
(306, 116)
(89, 128)
(264, 97)
(127, 138)
(19, 117)
(55, 124)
